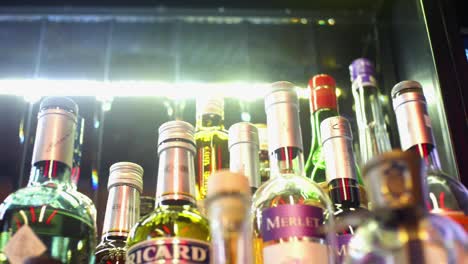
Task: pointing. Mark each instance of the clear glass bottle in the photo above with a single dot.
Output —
(289, 209)
(175, 232)
(447, 196)
(263, 156)
(323, 104)
(45, 217)
(211, 140)
(122, 211)
(373, 136)
(243, 152)
(342, 174)
(228, 207)
(402, 230)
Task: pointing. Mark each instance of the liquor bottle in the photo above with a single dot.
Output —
(447, 196)
(147, 204)
(373, 136)
(342, 175)
(228, 206)
(122, 211)
(45, 220)
(323, 104)
(290, 210)
(264, 158)
(211, 140)
(401, 229)
(175, 232)
(243, 152)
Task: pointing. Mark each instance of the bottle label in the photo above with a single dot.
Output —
(287, 221)
(342, 250)
(165, 250)
(296, 252)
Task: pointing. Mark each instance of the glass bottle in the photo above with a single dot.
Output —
(263, 153)
(228, 206)
(373, 136)
(211, 140)
(342, 175)
(323, 104)
(401, 229)
(122, 211)
(243, 152)
(289, 209)
(446, 196)
(45, 220)
(175, 232)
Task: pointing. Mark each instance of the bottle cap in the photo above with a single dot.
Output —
(322, 93)
(336, 126)
(242, 132)
(361, 67)
(413, 121)
(177, 129)
(394, 180)
(126, 173)
(227, 182)
(282, 109)
(406, 85)
(59, 102)
(211, 105)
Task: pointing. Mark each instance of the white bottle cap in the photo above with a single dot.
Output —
(211, 105)
(227, 182)
(126, 173)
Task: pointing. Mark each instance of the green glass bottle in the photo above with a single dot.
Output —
(175, 232)
(46, 221)
(212, 142)
(323, 104)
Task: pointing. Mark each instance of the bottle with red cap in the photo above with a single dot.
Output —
(323, 104)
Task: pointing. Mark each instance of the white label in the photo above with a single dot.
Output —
(24, 244)
(297, 252)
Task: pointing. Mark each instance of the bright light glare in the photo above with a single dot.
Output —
(33, 89)
(245, 116)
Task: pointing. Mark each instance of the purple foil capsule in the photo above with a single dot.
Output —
(361, 67)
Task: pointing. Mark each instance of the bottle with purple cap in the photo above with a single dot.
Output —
(373, 136)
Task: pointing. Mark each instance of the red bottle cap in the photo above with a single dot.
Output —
(322, 93)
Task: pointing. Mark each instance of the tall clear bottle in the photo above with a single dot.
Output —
(373, 136)
(323, 104)
(290, 209)
(447, 196)
(122, 211)
(402, 230)
(175, 232)
(45, 220)
(228, 206)
(243, 152)
(211, 140)
(342, 176)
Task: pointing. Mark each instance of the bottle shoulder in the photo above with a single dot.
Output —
(211, 133)
(290, 189)
(182, 221)
(60, 199)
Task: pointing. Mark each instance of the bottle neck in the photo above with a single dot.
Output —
(287, 160)
(176, 176)
(373, 136)
(209, 121)
(315, 158)
(50, 173)
(429, 156)
(122, 211)
(344, 194)
(244, 158)
(229, 215)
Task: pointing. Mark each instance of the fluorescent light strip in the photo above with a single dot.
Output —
(184, 90)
